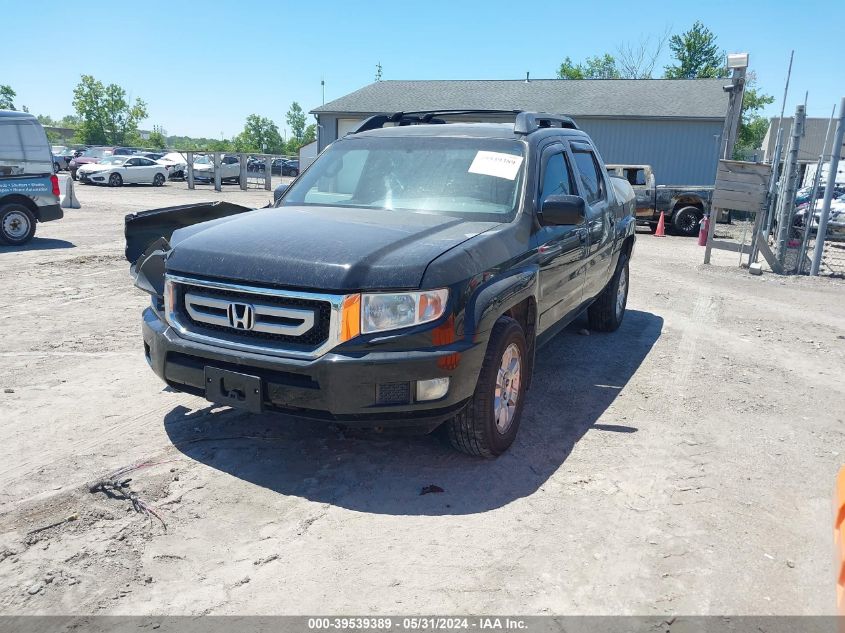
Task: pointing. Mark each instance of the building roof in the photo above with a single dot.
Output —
(651, 98)
(811, 143)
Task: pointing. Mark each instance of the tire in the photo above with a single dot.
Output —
(475, 430)
(607, 311)
(17, 224)
(294, 172)
(115, 180)
(652, 226)
(686, 221)
(158, 180)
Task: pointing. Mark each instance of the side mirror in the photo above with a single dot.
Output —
(561, 210)
(278, 192)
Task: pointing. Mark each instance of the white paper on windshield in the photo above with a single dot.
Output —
(496, 164)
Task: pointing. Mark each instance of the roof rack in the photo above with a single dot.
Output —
(525, 122)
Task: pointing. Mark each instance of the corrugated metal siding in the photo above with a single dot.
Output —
(681, 152)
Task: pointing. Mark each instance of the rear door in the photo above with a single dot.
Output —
(592, 182)
(561, 249)
(147, 169)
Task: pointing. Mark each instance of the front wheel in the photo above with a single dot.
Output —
(115, 180)
(158, 180)
(488, 424)
(608, 310)
(17, 224)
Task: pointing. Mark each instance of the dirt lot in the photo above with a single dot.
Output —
(681, 465)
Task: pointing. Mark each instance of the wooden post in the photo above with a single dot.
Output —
(268, 172)
(242, 176)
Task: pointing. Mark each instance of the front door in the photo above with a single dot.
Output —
(561, 249)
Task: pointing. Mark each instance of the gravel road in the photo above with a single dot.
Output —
(684, 464)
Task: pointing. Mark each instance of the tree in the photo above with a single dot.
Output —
(107, 117)
(260, 134)
(296, 120)
(752, 126)
(378, 71)
(7, 97)
(157, 138)
(697, 54)
(599, 67)
(637, 61)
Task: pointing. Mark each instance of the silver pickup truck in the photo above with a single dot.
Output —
(683, 206)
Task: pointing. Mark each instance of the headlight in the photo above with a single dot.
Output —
(382, 311)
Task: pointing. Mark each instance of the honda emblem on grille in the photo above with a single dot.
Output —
(241, 316)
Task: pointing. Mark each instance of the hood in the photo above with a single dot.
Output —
(94, 167)
(322, 248)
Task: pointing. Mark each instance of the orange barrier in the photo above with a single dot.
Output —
(839, 538)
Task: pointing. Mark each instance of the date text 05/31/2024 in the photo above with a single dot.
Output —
(421, 623)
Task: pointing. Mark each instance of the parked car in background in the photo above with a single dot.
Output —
(89, 155)
(29, 191)
(803, 195)
(119, 170)
(174, 162)
(230, 169)
(683, 206)
(290, 168)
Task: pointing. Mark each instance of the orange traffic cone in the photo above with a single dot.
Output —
(661, 226)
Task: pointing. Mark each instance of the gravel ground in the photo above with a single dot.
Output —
(684, 464)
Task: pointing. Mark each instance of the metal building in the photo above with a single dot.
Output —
(674, 125)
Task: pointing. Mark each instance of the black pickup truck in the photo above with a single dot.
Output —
(406, 278)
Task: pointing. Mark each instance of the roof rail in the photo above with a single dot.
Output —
(525, 123)
(420, 117)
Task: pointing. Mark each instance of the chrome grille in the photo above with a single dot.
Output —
(265, 320)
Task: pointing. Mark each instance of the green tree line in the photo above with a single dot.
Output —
(104, 115)
(695, 55)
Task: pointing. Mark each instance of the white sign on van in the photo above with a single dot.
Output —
(496, 164)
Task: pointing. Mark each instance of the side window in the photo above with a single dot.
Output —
(590, 175)
(133, 162)
(635, 176)
(556, 178)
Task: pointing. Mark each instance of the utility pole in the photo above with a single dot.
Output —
(739, 63)
(790, 178)
(828, 192)
(323, 86)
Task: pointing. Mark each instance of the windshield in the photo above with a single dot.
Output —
(467, 177)
(113, 160)
(203, 160)
(97, 152)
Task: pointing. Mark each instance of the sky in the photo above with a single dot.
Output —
(202, 68)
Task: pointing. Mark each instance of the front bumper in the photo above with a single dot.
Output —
(336, 387)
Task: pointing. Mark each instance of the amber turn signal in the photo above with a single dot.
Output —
(350, 317)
